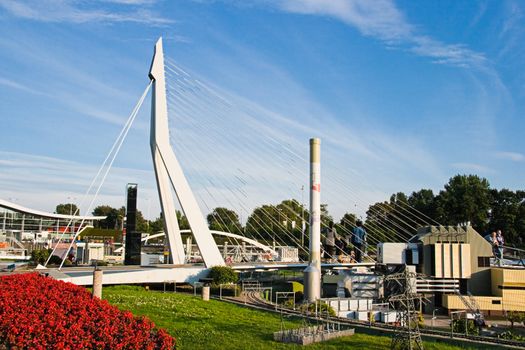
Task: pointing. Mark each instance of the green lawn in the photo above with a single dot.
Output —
(219, 325)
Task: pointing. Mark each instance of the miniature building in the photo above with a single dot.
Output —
(451, 252)
(460, 254)
(508, 293)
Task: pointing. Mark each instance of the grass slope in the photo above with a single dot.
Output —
(218, 325)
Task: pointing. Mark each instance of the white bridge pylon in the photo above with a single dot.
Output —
(169, 174)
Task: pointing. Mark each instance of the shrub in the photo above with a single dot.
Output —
(39, 256)
(64, 316)
(510, 335)
(321, 307)
(98, 263)
(223, 275)
(458, 326)
(515, 316)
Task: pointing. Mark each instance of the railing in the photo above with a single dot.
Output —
(518, 255)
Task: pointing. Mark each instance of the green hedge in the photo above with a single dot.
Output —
(223, 275)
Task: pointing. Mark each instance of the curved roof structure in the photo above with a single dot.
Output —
(225, 234)
(21, 209)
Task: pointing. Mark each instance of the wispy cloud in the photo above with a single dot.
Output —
(512, 29)
(472, 167)
(42, 182)
(382, 20)
(16, 85)
(80, 12)
(514, 156)
(132, 2)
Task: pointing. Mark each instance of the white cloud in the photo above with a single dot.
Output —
(78, 12)
(16, 85)
(132, 2)
(382, 20)
(42, 182)
(377, 18)
(514, 156)
(472, 167)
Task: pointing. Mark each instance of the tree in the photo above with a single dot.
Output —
(504, 211)
(326, 218)
(111, 221)
(291, 217)
(142, 224)
(67, 209)
(466, 198)
(391, 221)
(224, 219)
(519, 224)
(424, 205)
(347, 224)
(378, 223)
(281, 223)
(182, 220)
(156, 225)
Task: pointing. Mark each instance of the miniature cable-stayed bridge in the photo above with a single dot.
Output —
(203, 112)
(269, 230)
(238, 251)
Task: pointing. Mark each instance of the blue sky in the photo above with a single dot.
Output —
(406, 94)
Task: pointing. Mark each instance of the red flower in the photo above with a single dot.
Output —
(37, 312)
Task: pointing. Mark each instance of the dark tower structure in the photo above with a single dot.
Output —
(132, 255)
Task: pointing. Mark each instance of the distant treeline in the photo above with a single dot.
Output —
(465, 198)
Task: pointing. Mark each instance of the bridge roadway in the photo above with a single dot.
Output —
(190, 273)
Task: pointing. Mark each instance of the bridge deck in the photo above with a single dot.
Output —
(162, 273)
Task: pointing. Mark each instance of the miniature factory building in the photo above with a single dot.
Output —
(454, 252)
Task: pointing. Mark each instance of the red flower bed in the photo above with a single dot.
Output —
(38, 312)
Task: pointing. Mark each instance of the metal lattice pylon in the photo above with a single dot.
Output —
(406, 334)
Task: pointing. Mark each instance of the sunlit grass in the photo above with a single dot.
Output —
(219, 325)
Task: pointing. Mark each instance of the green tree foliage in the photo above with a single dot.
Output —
(142, 224)
(346, 225)
(223, 275)
(183, 221)
(424, 204)
(39, 256)
(505, 213)
(114, 218)
(326, 218)
(390, 221)
(156, 225)
(515, 317)
(67, 209)
(224, 219)
(466, 198)
(458, 326)
(282, 222)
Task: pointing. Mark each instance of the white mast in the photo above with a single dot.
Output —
(169, 175)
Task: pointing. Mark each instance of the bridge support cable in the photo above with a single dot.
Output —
(189, 152)
(219, 105)
(179, 103)
(204, 184)
(104, 168)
